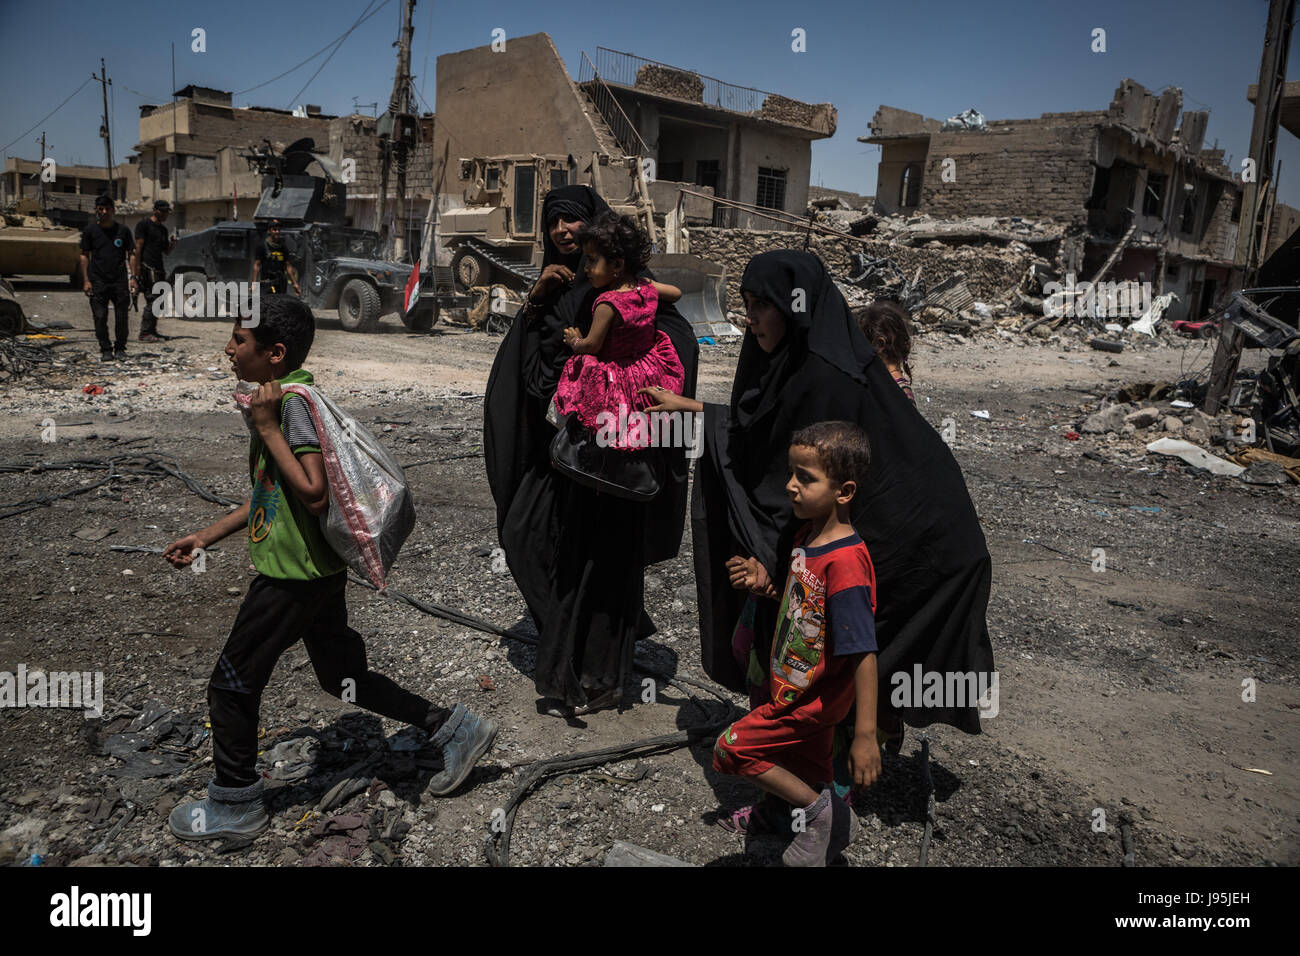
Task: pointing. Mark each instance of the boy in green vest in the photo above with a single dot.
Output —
(298, 593)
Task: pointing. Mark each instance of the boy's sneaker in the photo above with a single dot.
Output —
(225, 812)
(119, 353)
(464, 738)
(106, 355)
(830, 825)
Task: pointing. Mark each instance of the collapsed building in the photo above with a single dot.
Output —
(1126, 193)
(712, 138)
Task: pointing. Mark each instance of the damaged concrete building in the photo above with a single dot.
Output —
(190, 153)
(715, 138)
(1131, 188)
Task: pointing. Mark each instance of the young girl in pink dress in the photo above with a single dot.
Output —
(623, 352)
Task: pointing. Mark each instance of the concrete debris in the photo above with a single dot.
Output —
(1143, 417)
(1197, 457)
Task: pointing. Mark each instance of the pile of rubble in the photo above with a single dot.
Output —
(666, 81)
(1153, 414)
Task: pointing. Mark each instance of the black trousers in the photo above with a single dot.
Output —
(101, 294)
(275, 614)
(149, 276)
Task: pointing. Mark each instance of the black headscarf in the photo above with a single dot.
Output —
(933, 571)
(528, 366)
(572, 204)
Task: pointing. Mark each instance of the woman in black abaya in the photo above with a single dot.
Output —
(805, 360)
(577, 556)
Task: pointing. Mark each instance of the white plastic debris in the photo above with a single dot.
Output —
(1147, 324)
(981, 413)
(1179, 403)
(1194, 455)
(1114, 327)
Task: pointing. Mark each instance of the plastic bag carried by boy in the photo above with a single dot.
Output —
(371, 512)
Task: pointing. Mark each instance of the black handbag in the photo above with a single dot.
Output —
(634, 475)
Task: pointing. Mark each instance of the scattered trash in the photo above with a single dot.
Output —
(1179, 403)
(90, 533)
(967, 119)
(291, 760)
(485, 683)
(629, 854)
(92, 389)
(1072, 435)
(983, 413)
(1106, 345)
(1148, 509)
(1147, 324)
(1194, 455)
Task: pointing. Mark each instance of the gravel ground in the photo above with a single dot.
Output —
(1121, 692)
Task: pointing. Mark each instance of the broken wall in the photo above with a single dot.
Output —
(517, 101)
(895, 157)
(1038, 169)
(990, 275)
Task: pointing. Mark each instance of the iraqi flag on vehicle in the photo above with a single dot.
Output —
(411, 297)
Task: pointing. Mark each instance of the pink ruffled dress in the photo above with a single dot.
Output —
(635, 356)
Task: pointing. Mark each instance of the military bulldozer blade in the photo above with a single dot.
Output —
(703, 286)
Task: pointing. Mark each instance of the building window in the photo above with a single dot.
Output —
(559, 177)
(1153, 199)
(492, 179)
(164, 174)
(1236, 207)
(909, 190)
(1188, 223)
(708, 172)
(771, 188)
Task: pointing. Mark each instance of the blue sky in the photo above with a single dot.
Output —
(1008, 59)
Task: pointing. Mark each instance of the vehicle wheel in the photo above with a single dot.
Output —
(359, 306)
(1208, 331)
(424, 318)
(470, 270)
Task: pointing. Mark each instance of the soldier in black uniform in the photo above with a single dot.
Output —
(152, 242)
(106, 246)
(271, 262)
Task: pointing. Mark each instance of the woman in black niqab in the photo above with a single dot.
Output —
(932, 566)
(577, 556)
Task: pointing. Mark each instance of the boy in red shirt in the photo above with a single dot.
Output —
(823, 654)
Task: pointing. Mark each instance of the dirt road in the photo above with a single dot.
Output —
(1124, 694)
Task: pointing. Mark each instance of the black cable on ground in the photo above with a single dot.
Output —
(497, 846)
(148, 463)
(929, 801)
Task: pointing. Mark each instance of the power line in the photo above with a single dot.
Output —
(47, 115)
(361, 19)
(310, 58)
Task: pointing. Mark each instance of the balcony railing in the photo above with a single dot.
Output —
(625, 132)
(622, 68)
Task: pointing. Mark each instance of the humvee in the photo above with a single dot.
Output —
(338, 267)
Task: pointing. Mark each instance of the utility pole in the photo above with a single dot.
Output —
(1251, 237)
(42, 174)
(104, 130)
(393, 143)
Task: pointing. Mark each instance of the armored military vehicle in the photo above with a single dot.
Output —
(338, 267)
